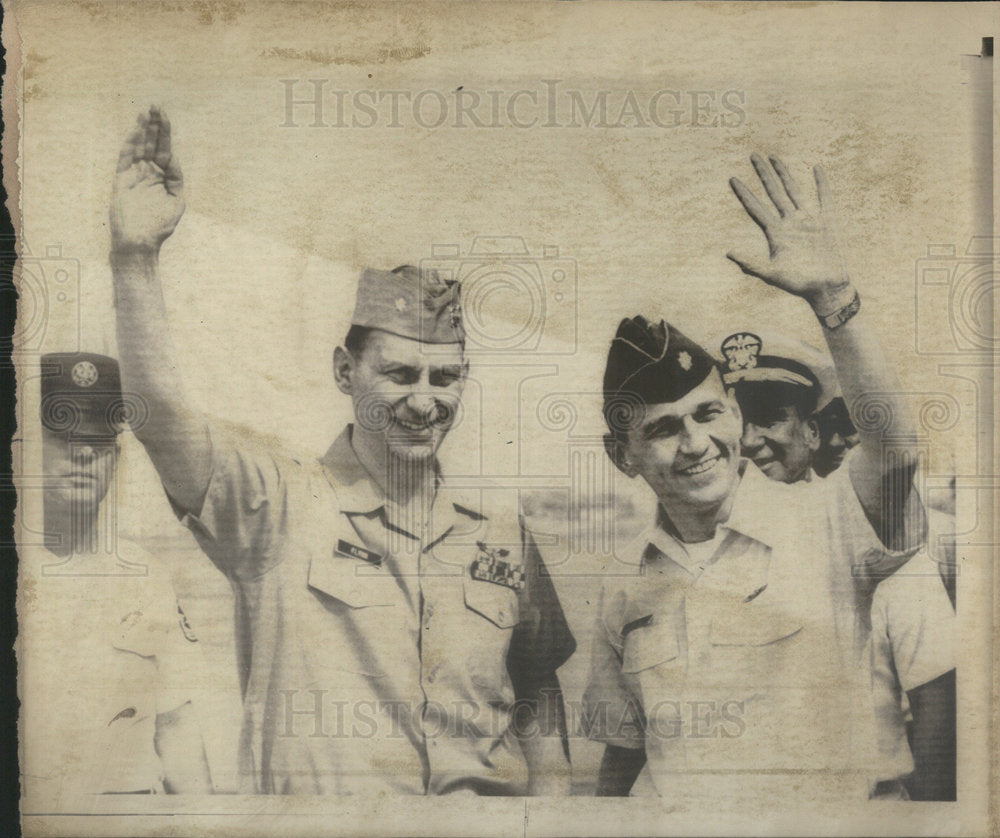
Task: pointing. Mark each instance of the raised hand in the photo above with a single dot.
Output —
(803, 256)
(148, 196)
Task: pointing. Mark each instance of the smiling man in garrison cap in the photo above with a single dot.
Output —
(395, 634)
(729, 667)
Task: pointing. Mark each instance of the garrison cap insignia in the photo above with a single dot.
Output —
(490, 566)
(741, 351)
(684, 359)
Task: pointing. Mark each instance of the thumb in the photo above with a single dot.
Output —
(750, 265)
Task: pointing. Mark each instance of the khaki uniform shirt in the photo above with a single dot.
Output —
(374, 659)
(744, 667)
(100, 657)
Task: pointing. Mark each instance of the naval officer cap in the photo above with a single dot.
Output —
(649, 363)
(773, 361)
(82, 393)
(411, 303)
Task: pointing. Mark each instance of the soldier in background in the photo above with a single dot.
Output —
(780, 385)
(108, 660)
(837, 436)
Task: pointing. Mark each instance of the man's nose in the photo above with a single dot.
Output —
(421, 402)
(694, 437)
(752, 438)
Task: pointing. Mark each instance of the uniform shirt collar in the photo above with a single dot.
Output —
(753, 514)
(358, 493)
(758, 505)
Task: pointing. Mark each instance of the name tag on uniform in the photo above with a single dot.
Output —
(345, 548)
(490, 566)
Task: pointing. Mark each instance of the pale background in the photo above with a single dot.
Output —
(259, 276)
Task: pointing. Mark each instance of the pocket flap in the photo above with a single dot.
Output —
(352, 582)
(649, 646)
(497, 603)
(749, 624)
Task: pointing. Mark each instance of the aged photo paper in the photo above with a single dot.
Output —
(504, 418)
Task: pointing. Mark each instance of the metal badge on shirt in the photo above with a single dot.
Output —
(345, 548)
(490, 565)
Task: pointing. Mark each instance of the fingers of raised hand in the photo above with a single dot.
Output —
(763, 217)
(130, 149)
(161, 154)
(822, 188)
(796, 195)
(772, 185)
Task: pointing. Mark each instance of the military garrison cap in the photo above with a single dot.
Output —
(82, 393)
(411, 303)
(650, 363)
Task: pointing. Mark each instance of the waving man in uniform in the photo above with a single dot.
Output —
(394, 634)
(732, 666)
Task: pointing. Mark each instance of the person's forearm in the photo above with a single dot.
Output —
(176, 438)
(618, 771)
(882, 470)
(542, 733)
(866, 377)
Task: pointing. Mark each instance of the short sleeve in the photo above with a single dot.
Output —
(919, 622)
(542, 640)
(611, 712)
(239, 524)
(181, 671)
(855, 537)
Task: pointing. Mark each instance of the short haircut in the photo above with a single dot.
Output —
(357, 339)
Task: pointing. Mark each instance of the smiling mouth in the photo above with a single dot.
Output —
(419, 429)
(700, 468)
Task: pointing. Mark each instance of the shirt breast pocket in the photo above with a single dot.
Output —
(653, 665)
(356, 609)
(757, 644)
(497, 603)
(491, 612)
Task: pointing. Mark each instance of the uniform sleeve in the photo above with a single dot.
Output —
(181, 672)
(542, 640)
(611, 713)
(239, 524)
(855, 537)
(920, 623)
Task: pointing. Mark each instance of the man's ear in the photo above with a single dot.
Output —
(343, 370)
(812, 433)
(614, 448)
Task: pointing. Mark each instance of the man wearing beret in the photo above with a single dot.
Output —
(395, 633)
(730, 667)
(109, 661)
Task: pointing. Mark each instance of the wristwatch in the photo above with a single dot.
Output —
(841, 315)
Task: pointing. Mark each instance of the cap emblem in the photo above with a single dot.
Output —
(84, 374)
(741, 351)
(684, 359)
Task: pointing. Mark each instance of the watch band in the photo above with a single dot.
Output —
(841, 315)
